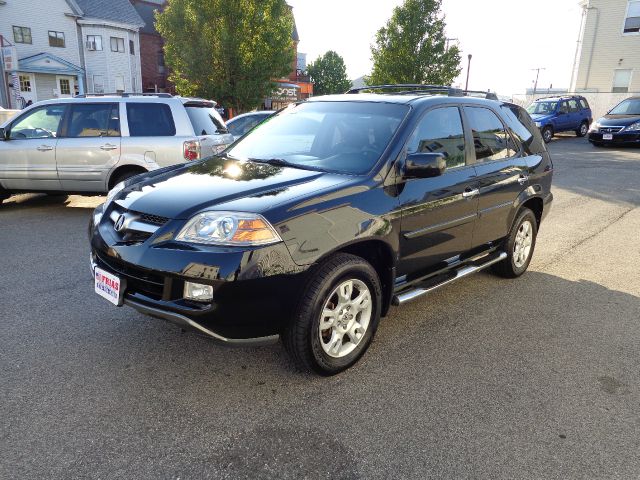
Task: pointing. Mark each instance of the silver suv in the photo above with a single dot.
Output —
(91, 143)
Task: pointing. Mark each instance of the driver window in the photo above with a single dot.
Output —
(440, 131)
(42, 122)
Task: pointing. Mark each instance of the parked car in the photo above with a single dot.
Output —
(242, 124)
(620, 126)
(561, 114)
(313, 234)
(91, 143)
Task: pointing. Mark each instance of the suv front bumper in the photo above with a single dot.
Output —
(253, 289)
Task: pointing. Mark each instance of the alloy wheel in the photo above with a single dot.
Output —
(345, 318)
(522, 244)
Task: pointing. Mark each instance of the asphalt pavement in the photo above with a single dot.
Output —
(487, 378)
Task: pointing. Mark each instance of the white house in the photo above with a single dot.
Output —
(67, 47)
(608, 53)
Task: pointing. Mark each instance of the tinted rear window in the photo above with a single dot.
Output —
(150, 120)
(205, 121)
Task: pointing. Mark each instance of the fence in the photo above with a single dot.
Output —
(600, 103)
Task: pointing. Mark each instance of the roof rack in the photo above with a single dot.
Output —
(414, 88)
(124, 95)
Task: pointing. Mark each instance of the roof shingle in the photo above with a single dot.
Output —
(120, 11)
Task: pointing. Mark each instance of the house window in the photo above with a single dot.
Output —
(132, 50)
(160, 62)
(117, 44)
(22, 34)
(25, 83)
(98, 84)
(94, 42)
(621, 81)
(56, 39)
(632, 20)
(65, 86)
(119, 79)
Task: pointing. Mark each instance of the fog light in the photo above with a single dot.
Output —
(198, 292)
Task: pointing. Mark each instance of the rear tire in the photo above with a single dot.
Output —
(124, 175)
(583, 130)
(519, 246)
(547, 134)
(336, 317)
(4, 195)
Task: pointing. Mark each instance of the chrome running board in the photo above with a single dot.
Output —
(460, 273)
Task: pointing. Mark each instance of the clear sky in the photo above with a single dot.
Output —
(507, 38)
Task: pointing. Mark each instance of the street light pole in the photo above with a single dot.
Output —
(468, 71)
(535, 86)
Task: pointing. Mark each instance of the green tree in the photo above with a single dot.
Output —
(329, 74)
(229, 51)
(412, 48)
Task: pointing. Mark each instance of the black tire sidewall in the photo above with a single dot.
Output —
(579, 131)
(525, 214)
(323, 363)
(547, 129)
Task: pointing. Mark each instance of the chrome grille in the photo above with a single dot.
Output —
(611, 129)
(135, 227)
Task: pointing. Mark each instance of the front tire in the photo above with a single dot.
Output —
(519, 246)
(547, 134)
(583, 129)
(337, 315)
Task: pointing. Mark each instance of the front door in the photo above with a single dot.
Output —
(28, 158)
(502, 173)
(89, 146)
(66, 86)
(27, 88)
(438, 214)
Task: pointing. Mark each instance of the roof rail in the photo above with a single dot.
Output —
(124, 95)
(417, 89)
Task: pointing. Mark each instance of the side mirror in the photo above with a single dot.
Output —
(424, 165)
(4, 134)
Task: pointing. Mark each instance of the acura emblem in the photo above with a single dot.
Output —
(119, 225)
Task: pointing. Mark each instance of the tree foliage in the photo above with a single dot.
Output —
(412, 47)
(229, 51)
(329, 74)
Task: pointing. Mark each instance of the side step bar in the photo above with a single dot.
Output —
(461, 273)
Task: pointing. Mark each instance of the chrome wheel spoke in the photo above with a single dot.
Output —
(335, 344)
(345, 292)
(328, 319)
(362, 301)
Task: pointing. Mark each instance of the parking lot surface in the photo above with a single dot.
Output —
(487, 378)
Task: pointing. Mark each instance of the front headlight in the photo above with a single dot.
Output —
(595, 126)
(538, 124)
(112, 194)
(228, 228)
(633, 128)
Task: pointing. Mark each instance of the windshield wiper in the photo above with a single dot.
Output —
(280, 162)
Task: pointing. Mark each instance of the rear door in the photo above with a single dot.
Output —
(89, 146)
(28, 158)
(438, 214)
(575, 115)
(563, 120)
(149, 135)
(501, 169)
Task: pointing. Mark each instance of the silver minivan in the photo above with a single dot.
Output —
(91, 143)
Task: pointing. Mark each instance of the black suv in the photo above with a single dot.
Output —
(311, 226)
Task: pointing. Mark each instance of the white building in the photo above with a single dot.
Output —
(66, 47)
(608, 53)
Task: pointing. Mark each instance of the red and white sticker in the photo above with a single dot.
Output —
(107, 286)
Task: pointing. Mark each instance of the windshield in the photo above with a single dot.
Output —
(628, 107)
(542, 108)
(342, 137)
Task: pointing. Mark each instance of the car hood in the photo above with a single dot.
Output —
(216, 182)
(618, 120)
(538, 117)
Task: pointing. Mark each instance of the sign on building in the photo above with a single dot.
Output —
(9, 59)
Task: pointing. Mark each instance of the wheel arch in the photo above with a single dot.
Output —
(118, 171)
(382, 258)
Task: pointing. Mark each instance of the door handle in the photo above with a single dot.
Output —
(45, 148)
(108, 146)
(523, 179)
(470, 193)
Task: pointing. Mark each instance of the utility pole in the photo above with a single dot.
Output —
(468, 71)
(535, 86)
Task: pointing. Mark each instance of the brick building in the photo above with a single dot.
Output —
(154, 72)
